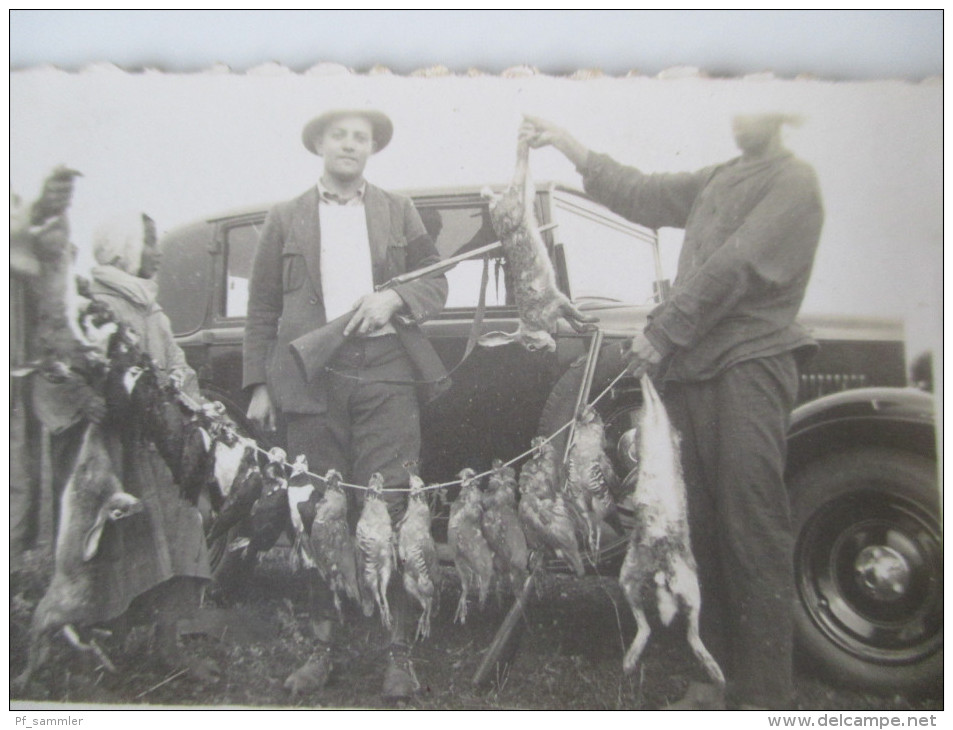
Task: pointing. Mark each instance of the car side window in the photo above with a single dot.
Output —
(240, 244)
(607, 257)
(456, 230)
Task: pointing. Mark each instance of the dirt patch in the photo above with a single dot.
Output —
(569, 654)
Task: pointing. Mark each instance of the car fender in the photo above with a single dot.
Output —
(898, 418)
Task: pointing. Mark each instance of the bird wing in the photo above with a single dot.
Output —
(296, 496)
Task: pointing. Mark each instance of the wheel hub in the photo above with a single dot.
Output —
(870, 576)
(882, 572)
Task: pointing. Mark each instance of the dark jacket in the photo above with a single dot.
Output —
(751, 231)
(285, 299)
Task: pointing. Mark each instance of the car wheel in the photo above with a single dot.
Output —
(619, 408)
(869, 570)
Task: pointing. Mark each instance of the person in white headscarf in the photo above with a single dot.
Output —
(128, 257)
(155, 561)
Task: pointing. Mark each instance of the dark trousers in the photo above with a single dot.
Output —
(733, 451)
(369, 427)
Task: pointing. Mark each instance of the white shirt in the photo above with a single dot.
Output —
(346, 267)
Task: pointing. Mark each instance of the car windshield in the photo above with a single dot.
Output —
(607, 257)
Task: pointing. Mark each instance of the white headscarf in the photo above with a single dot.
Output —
(118, 242)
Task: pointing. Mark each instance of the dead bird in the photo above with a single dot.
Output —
(591, 481)
(375, 543)
(244, 481)
(544, 513)
(659, 570)
(538, 298)
(418, 553)
(232, 455)
(471, 553)
(269, 514)
(331, 545)
(302, 501)
(501, 526)
(546, 460)
(196, 462)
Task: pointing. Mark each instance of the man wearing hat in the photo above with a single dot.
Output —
(729, 348)
(351, 407)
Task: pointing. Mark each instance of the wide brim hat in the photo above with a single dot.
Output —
(383, 128)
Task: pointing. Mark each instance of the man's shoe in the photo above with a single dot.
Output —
(400, 680)
(313, 674)
(700, 696)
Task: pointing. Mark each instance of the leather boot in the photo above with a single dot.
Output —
(400, 680)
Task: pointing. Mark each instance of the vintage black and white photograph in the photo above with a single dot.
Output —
(463, 390)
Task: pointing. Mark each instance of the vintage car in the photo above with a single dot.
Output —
(862, 446)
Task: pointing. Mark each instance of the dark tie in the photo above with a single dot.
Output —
(335, 198)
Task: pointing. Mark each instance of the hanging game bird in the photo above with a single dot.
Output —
(302, 500)
(243, 490)
(544, 514)
(196, 462)
(501, 526)
(418, 553)
(331, 545)
(547, 461)
(591, 480)
(375, 542)
(471, 553)
(232, 456)
(269, 513)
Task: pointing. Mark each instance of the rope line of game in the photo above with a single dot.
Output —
(430, 487)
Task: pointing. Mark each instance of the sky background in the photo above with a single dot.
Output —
(187, 145)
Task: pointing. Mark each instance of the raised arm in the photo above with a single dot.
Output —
(772, 251)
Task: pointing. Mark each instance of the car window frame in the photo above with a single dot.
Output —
(220, 270)
(593, 208)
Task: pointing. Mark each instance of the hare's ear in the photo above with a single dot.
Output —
(118, 506)
(91, 541)
(495, 339)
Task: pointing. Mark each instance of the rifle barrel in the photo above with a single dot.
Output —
(440, 266)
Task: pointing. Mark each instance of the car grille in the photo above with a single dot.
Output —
(814, 385)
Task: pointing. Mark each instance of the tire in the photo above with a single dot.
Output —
(619, 410)
(869, 570)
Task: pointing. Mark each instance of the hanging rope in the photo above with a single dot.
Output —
(197, 408)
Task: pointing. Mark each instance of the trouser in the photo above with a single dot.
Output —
(733, 452)
(368, 427)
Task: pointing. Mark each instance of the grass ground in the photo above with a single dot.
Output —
(569, 655)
